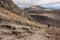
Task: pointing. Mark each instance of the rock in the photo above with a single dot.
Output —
(8, 4)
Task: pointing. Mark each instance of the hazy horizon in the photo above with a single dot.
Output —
(45, 3)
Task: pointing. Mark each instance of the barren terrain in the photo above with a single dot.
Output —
(13, 26)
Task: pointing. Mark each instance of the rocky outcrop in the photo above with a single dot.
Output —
(8, 4)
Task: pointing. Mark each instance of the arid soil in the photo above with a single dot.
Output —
(17, 27)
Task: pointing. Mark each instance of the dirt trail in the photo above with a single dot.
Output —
(39, 35)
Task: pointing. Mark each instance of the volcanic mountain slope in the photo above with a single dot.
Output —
(44, 15)
(55, 14)
(39, 14)
(46, 20)
(16, 27)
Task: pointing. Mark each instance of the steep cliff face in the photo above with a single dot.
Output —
(8, 4)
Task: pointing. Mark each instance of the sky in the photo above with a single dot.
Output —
(45, 3)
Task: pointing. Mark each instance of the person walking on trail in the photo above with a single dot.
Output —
(49, 24)
(29, 18)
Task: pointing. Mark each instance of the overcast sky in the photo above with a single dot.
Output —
(45, 3)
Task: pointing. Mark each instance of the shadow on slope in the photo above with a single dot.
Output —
(46, 20)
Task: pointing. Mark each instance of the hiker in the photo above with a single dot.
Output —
(49, 24)
(29, 17)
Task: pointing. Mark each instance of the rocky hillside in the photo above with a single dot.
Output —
(17, 27)
(8, 4)
(14, 26)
